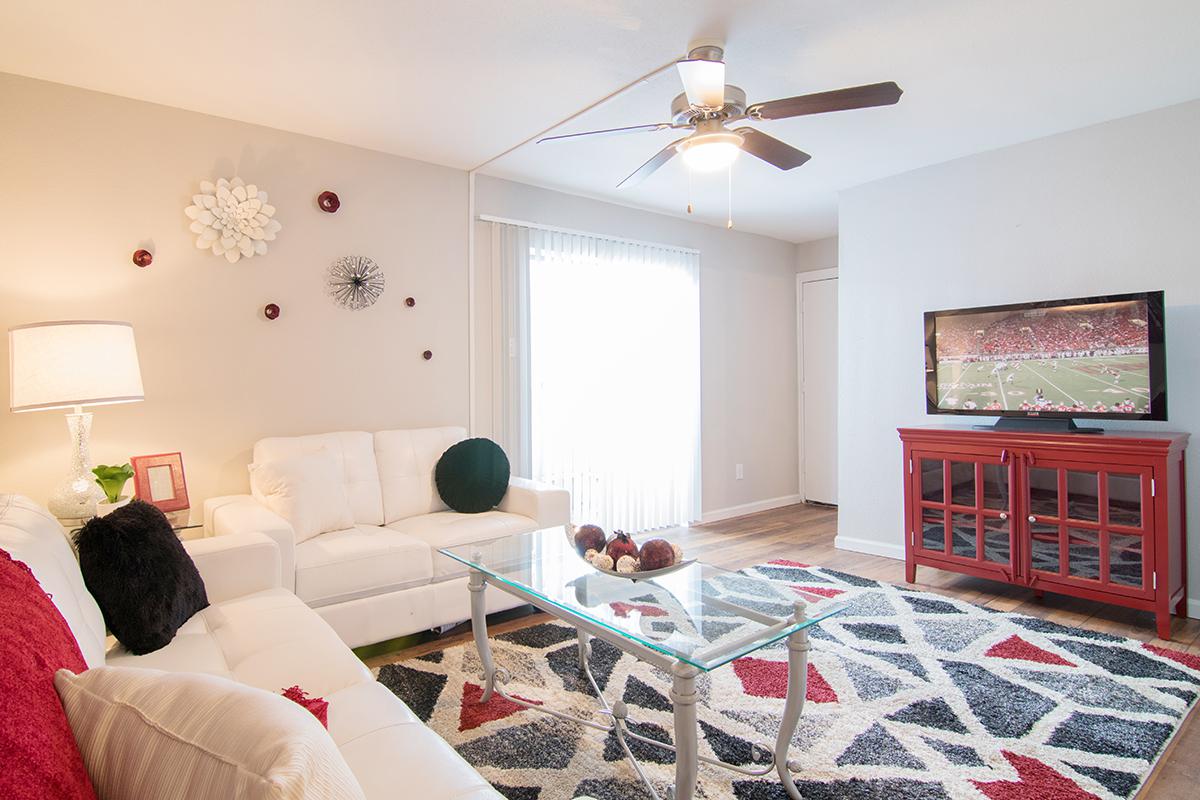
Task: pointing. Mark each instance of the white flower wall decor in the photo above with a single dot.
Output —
(233, 219)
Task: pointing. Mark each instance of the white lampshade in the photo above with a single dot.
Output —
(72, 363)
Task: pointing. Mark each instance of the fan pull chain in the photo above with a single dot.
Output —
(729, 201)
(689, 194)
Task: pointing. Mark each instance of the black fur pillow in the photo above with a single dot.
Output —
(143, 580)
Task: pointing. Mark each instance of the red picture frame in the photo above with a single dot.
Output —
(159, 480)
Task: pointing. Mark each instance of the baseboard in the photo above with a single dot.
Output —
(869, 546)
(1193, 608)
(718, 514)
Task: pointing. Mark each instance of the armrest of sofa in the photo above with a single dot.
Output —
(241, 513)
(548, 505)
(235, 565)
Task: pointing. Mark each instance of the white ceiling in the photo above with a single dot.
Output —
(457, 82)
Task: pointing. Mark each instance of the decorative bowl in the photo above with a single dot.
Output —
(646, 574)
(633, 576)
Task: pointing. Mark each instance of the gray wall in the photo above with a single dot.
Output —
(747, 337)
(1109, 208)
(817, 254)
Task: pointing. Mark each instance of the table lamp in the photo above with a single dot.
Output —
(73, 364)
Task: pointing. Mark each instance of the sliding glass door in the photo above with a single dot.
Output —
(613, 377)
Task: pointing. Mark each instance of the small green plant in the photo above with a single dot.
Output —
(112, 480)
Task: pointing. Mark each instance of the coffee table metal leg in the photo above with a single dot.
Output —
(797, 688)
(585, 647)
(683, 697)
(477, 583)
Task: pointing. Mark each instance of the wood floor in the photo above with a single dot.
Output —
(805, 533)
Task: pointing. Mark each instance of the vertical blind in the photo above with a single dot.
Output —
(599, 374)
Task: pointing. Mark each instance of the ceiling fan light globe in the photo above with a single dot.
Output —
(710, 152)
(710, 157)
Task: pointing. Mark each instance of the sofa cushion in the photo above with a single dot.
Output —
(38, 752)
(355, 452)
(145, 582)
(176, 736)
(270, 640)
(33, 536)
(387, 747)
(449, 528)
(472, 476)
(359, 561)
(406, 462)
(306, 490)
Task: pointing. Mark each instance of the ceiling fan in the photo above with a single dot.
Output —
(708, 105)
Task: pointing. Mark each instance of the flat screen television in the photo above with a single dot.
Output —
(1092, 357)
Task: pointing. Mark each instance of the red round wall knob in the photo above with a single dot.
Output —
(410, 301)
(428, 354)
(328, 201)
(143, 258)
(271, 311)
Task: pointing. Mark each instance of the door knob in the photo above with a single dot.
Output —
(1003, 515)
(1032, 518)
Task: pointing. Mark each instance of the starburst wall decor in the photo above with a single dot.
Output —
(355, 282)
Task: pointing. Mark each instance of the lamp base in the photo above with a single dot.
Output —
(75, 500)
(78, 496)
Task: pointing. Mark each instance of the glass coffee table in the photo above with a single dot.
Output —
(694, 620)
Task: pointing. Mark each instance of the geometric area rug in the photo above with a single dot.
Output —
(910, 695)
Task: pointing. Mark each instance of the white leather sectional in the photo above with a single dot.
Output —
(260, 634)
(382, 578)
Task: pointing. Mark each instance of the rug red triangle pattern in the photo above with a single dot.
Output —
(1016, 648)
(1034, 780)
(473, 713)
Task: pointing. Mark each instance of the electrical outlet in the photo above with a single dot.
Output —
(738, 472)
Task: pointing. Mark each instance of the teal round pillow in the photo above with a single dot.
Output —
(472, 476)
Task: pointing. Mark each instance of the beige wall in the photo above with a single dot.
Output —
(88, 178)
(748, 335)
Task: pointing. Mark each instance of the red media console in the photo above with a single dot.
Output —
(1100, 516)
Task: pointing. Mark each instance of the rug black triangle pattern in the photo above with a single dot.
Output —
(910, 695)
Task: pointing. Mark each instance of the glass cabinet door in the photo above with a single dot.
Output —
(1089, 526)
(965, 509)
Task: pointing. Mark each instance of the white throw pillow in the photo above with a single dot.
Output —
(308, 491)
(145, 733)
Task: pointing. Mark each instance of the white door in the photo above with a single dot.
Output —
(818, 386)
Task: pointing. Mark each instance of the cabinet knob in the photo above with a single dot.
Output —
(1032, 518)
(1003, 515)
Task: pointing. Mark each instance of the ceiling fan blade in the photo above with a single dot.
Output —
(645, 170)
(657, 126)
(875, 94)
(771, 150)
(703, 81)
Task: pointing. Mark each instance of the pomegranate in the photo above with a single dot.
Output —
(657, 554)
(589, 537)
(621, 544)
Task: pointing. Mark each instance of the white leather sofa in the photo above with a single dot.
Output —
(259, 634)
(383, 578)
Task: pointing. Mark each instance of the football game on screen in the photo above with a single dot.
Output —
(1093, 358)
